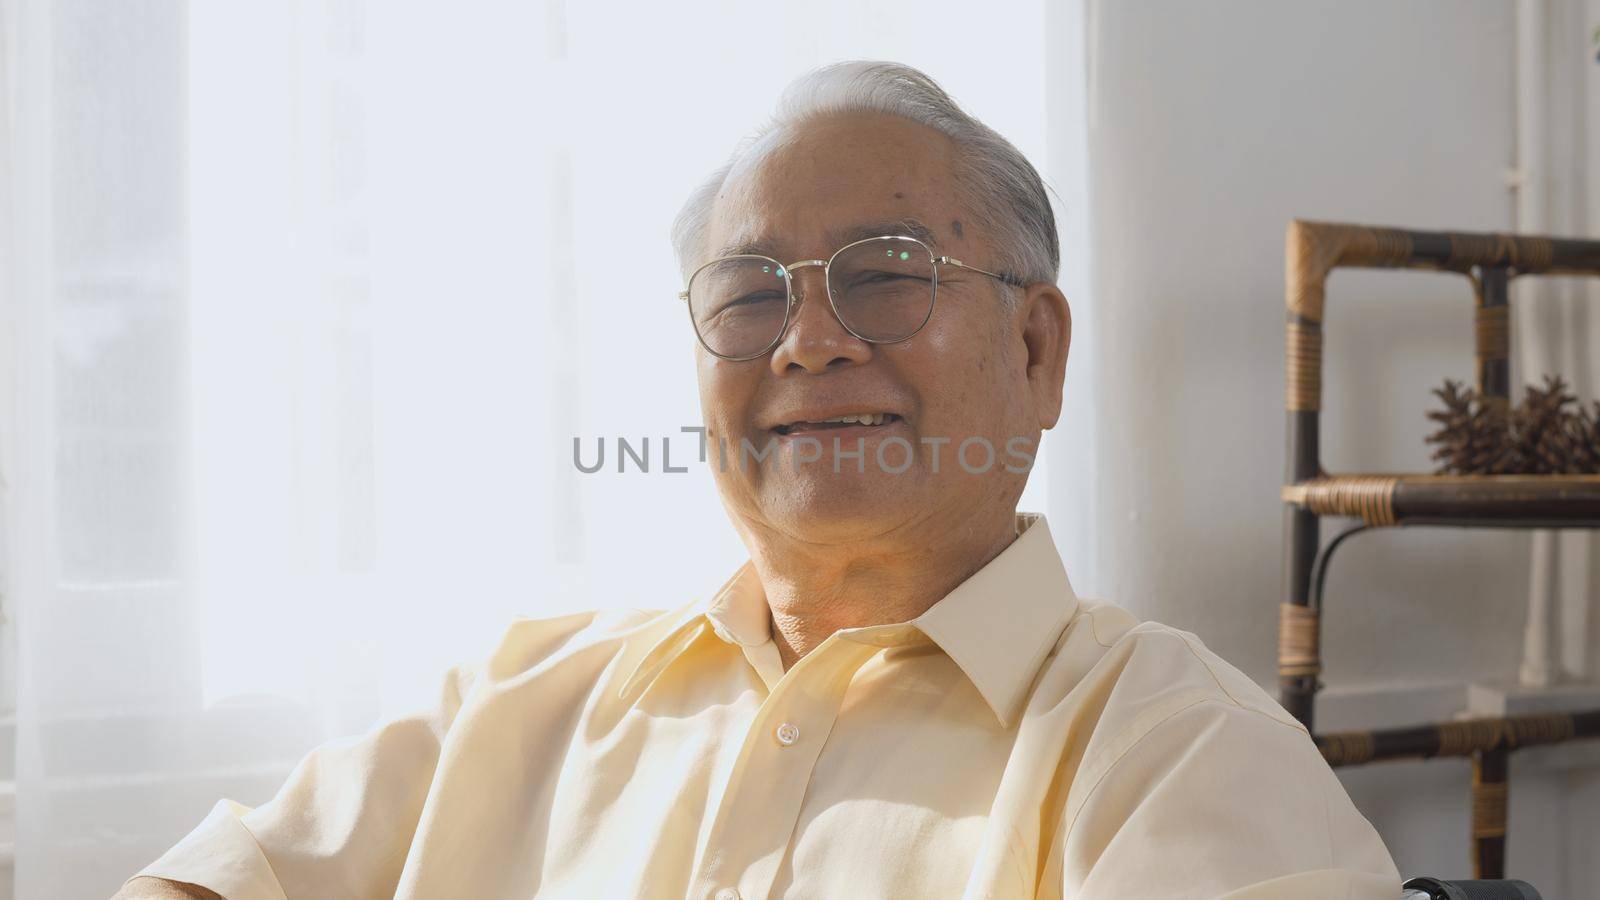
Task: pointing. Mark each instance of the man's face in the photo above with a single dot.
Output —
(963, 376)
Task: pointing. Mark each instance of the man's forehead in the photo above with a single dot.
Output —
(750, 237)
(807, 191)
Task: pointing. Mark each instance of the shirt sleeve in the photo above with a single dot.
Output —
(1215, 799)
(339, 827)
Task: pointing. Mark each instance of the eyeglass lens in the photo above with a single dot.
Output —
(882, 291)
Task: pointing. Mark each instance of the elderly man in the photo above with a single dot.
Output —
(899, 695)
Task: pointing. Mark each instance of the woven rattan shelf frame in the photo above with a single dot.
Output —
(1493, 501)
(1489, 262)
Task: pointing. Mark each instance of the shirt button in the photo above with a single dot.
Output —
(728, 894)
(787, 734)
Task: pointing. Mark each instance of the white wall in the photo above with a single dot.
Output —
(1211, 126)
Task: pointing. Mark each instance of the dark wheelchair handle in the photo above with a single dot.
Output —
(1439, 889)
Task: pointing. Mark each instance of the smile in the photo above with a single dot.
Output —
(869, 419)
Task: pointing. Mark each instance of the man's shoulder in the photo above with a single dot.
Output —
(1144, 670)
(531, 644)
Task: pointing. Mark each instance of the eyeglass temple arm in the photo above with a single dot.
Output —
(952, 261)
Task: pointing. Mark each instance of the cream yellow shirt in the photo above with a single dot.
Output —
(1012, 741)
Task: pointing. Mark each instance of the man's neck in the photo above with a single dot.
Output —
(814, 590)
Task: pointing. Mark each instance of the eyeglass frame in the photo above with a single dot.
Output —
(827, 264)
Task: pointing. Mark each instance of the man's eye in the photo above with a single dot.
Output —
(880, 277)
(751, 300)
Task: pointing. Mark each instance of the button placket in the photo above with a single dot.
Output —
(766, 791)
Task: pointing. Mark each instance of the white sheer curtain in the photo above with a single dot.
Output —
(304, 304)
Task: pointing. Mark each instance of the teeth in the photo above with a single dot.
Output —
(852, 419)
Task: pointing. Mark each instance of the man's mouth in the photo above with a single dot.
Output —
(868, 419)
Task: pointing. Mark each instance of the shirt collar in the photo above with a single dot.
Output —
(1001, 623)
(685, 626)
(997, 626)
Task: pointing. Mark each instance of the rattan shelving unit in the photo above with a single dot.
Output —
(1489, 262)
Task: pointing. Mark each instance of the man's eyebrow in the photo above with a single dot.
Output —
(907, 227)
(839, 237)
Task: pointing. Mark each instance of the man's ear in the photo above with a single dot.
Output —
(1047, 334)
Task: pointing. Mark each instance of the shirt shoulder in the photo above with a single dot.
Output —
(1127, 675)
(1164, 737)
(529, 645)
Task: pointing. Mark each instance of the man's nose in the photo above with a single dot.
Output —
(816, 341)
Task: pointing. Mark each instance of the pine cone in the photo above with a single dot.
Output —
(1583, 434)
(1548, 433)
(1538, 429)
(1473, 436)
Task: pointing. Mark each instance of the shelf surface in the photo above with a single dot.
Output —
(1494, 501)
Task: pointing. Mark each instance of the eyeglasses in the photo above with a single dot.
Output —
(881, 290)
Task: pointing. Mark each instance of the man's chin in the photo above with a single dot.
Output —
(825, 506)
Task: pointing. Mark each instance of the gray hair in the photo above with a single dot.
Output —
(998, 184)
